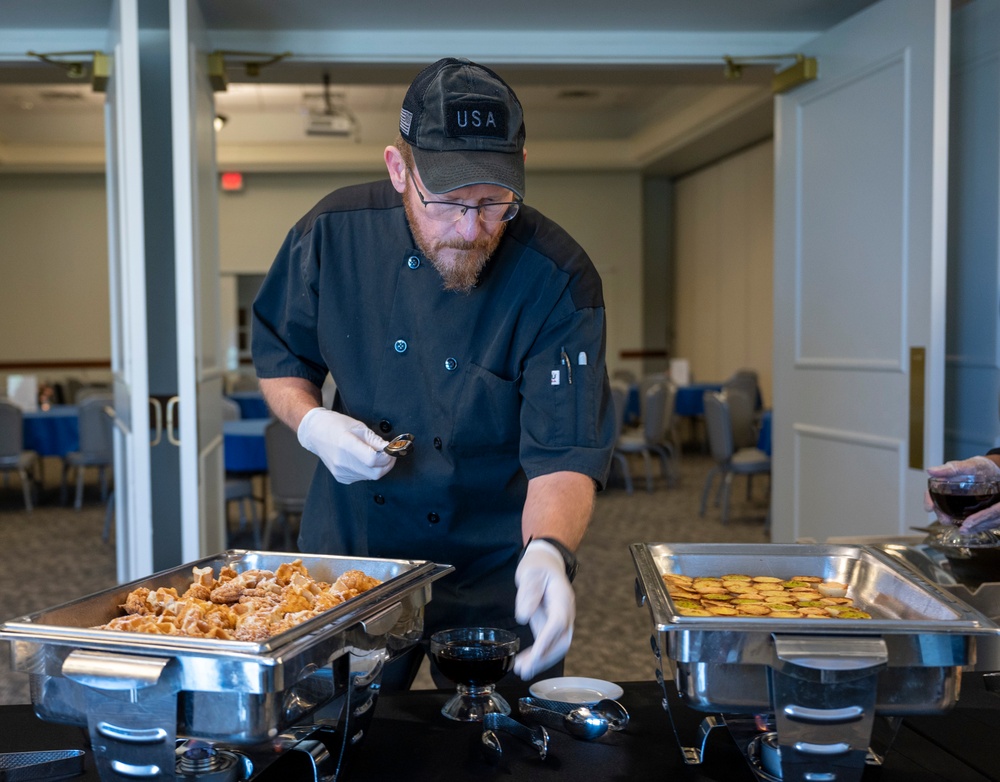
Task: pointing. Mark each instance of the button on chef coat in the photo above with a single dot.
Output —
(479, 383)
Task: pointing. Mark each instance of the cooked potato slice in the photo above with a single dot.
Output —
(739, 594)
(740, 586)
(754, 609)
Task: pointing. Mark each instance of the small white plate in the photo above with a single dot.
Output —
(575, 689)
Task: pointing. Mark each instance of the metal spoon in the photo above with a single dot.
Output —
(578, 721)
(399, 446)
(615, 713)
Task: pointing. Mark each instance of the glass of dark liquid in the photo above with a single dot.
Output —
(960, 496)
(475, 658)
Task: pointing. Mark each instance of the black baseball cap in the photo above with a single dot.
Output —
(466, 127)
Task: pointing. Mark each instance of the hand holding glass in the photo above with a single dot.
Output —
(959, 496)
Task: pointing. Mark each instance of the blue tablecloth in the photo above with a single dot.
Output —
(243, 443)
(252, 404)
(690, 398)
(53, 432)
(764, 435)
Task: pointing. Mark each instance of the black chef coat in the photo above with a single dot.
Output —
(480, 379)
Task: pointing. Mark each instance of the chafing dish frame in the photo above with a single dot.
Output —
(139, 693)
(819, 682)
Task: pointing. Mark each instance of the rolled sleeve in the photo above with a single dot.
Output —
(567, 415)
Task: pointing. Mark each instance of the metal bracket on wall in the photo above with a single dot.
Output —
(803, 69)
(217, 65)
(99, 71)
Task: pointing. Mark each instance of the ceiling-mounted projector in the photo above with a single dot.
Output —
(339, 125)
(333, 120)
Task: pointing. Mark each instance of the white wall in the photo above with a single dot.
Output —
(724, 257)
(53, 258)
(54, 294)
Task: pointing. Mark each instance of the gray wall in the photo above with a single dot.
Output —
(54, 297)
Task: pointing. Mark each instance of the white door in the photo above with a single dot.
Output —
(200, 359)
(860, 229)
(127, 270)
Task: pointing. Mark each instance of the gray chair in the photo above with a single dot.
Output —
(83, 393)
(239, 488)
(742, 416)
(619, 397)
(645, 383)
(290, 469)
(96, 447)
(729, 460)
(13, 456)
(746, 381)
(650, 439)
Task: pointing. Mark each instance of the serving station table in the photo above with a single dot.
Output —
(409, 739)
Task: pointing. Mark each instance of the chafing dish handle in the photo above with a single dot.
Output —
(823, 690)
(108, 671)
(131, 712)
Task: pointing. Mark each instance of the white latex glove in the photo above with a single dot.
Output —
(348, 448)
(980, 466)
(545, 601)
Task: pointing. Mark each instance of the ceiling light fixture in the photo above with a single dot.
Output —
(220, 122)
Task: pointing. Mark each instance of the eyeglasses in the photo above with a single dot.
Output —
(452, 212)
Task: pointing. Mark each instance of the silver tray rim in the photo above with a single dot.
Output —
(414, 574)
(966, 619)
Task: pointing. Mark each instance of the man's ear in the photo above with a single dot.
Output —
(397, 168)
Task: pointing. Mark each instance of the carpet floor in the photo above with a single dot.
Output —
(55, 554)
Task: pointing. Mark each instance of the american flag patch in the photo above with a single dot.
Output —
(405, 119)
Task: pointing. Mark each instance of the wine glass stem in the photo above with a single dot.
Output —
(476, 691)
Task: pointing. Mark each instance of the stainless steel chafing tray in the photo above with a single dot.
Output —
(822, 680)
(232, 692)
(928, 633)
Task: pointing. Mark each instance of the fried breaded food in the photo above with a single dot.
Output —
(250, 606)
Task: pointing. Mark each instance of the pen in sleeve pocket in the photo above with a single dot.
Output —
(569, 367)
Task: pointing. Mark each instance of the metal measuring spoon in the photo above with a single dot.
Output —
(399, 446)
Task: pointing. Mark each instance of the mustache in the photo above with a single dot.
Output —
(464, 245)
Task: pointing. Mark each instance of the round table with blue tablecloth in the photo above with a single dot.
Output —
(52, 432)
(243, 442)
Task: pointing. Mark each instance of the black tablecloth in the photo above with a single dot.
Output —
(410, 740)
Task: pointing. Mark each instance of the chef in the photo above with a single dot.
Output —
(445, 307)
